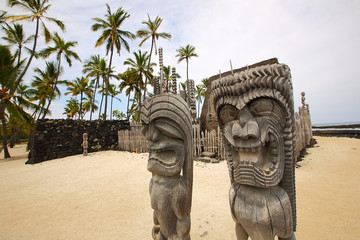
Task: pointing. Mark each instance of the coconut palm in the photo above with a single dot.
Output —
(139, 64)
(61, 49)
(186, 53)
(90, 105)
(11, 104)
(168, 76)
(118, 115)
(96, 67)
(15, 36)
(129, 81)
(72, 108)
(151, 32)
(113, 93)
(79, 86)
(2, 17)
(113, 36)
(46, 84)
(37, 12)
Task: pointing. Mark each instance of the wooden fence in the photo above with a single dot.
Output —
(133, 140)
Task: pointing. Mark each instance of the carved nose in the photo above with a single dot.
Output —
(246, 127)
(248, 131)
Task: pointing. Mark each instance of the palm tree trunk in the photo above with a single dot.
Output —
(102, 97)
(58, 73)
(148, 68)
(3, 122)
(33, 50)
(19, 56)
(127, 110)
(47, 109)
(93, 99)
(108, 81)
(112, 98)
(187, 68)
(81, 97)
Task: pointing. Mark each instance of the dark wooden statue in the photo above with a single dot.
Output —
(167, 127)
(256, 115)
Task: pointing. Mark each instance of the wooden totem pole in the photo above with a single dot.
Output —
(256, 115)
(167, 127)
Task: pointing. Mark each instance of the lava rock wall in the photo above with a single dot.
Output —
(53, 139)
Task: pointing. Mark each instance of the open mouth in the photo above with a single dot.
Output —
(166, 157)
(257, 164)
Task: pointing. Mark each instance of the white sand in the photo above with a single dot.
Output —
(105, 196)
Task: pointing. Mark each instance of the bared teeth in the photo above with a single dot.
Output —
(274, 151)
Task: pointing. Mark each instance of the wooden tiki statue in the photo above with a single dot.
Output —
(256, 115)
(167, 128)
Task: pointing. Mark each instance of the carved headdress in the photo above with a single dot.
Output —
(170, 113)
(267, 90)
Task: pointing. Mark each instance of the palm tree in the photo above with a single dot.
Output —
(139, 64)
(37, 10)
(2, 17)
(71, 108)
(130, 79)
(113, 93)
(11, 104)
(168, 76)
(186, 53)
(90, 105)
(79, 86)
(61, 48)
(113, 36)
(46, 89)
(15, 36)
(151, 32)
(96, 67)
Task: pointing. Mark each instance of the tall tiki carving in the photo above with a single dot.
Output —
(190, 85)
(174, 83)
(256, 116)
(167, 127)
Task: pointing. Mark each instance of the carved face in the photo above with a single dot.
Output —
(166, 147)
(255, 141)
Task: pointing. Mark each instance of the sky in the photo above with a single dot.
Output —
(318, 39)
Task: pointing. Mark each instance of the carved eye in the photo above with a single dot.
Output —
(228, 113)
(144, 129)
(167, 129)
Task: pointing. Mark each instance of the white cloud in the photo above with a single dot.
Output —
(317, 39)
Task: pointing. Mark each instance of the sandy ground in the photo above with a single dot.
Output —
(105, 196)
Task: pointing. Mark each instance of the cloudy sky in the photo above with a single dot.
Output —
(318, 39)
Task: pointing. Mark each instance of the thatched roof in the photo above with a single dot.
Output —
(208, 119)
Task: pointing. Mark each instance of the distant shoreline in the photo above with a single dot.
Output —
(343, 130)
(337, 126)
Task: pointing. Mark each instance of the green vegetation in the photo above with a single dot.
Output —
(27, 91)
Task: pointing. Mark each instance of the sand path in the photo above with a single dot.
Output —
(105, 196)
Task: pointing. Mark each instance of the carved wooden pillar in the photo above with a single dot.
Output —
(161, 82)
(174, 83)
(167, 128)
(256, 116)
(190, 86)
